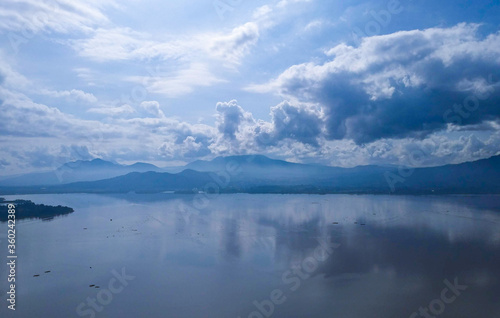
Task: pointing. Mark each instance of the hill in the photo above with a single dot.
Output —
(260, 174)
(81, 170)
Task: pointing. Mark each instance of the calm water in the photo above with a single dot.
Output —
(392, 255)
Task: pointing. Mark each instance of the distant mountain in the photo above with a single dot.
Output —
(262, 169)
(259, 174)
(258, 170)
(146, 182)
(481, 176)
(220, 163)
(81, 170)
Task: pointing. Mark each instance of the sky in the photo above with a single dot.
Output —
(340, 83)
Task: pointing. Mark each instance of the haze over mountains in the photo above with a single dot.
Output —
(81, 170)
(258, 174)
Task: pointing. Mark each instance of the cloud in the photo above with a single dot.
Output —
(113, 111)
(30, 16)
(60, 137)
(4, 163)
(74, 94)
(230, 117)
(369, 104)
(194, 55)
(24, 117)
(295, 132)
(262, 12)
(316, 24)
(284, 3)
(234, 46)
(86, 75)
(121, 43)
(194, 59)
(400, 85)
(239, 132)
(300, 123)
(54, 157)
(12, 79)
(190, 147)
(179, 83)
(153, 108)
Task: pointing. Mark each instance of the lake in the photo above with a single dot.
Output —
(243, 255)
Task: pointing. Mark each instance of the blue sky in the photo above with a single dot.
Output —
(341, 83)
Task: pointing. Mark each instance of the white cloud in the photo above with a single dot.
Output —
(112, 44)
(284, 3)
(120, 43)
(179, 83)
(86, 74)
(234, 46)
(30, 16)
(262, 12)
(74, 94)
(195, 55)
(314, 25)
(27, 118)
(153, 108)
(12, 79)
(113, 111)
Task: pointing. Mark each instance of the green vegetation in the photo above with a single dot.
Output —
(28, 210)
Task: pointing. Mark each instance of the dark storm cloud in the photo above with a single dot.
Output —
(406, 84)
(295, 122)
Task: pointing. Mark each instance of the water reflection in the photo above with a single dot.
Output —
(216, 260)
(230, 239)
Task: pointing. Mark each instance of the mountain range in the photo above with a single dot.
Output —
(81, 170)
(259, 174)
